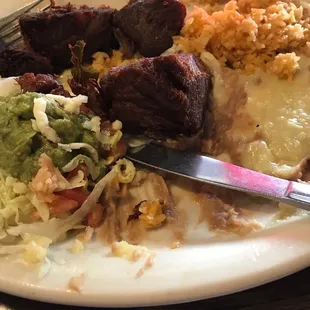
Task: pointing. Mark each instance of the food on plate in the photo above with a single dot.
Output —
(77, 247)
(35, 124)
(15, 62)
(225, 79)
(83, 80)
(248, 34)
(161, 96)
(147, 265)
(133, 253)
(151, 213)
(49, 33)
(76, 283)
(147, 26)
(52, 155)
(41, 83)
(129, 251)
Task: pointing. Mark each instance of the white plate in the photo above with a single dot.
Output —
(199, 270)
(205, 267)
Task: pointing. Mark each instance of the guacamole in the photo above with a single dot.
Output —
(21, 145)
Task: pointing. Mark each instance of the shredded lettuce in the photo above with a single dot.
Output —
(76, 146)
(41, 207)
(26, 225)
(12, 249)
(33, 249)
(138, 141)
(17, 202)
(2, 233)
(74, 163)
(55, 228)
(78, 180)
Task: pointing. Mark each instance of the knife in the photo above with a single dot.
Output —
(216, 172)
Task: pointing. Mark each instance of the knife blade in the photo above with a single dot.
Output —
(212, 171)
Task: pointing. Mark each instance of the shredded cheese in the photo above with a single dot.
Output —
(117, 125)
(70, 105)
(94, 125)
(128, 251)
(41, 120)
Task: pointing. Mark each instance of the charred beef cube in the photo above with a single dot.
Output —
(50, 33)
(148, 25)
(163, 96)
(93, 92)
(41, 83)
(15, 62)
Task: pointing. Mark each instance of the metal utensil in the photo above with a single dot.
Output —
(216, 172)
(9, 28)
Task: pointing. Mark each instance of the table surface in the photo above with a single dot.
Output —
(290, 293)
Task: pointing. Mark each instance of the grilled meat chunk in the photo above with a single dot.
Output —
(92, 90)
(41, 83)
(15, 62)
(148, 25)
(165, 96)
(50, 33)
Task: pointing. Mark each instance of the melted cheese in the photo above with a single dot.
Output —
(281, 110)
(219, 93)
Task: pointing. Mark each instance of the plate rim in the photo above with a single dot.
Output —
(175, 296)
(88, 300)
(197, 291)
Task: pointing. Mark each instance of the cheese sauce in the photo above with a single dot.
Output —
(281, 111)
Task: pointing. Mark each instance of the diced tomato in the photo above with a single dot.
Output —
(85, 109)
(121, 148)
(62, 205)
(95, 216)
(118, 152)
(35, 216)
(58, 206)
(106, 125)
(74, 194)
